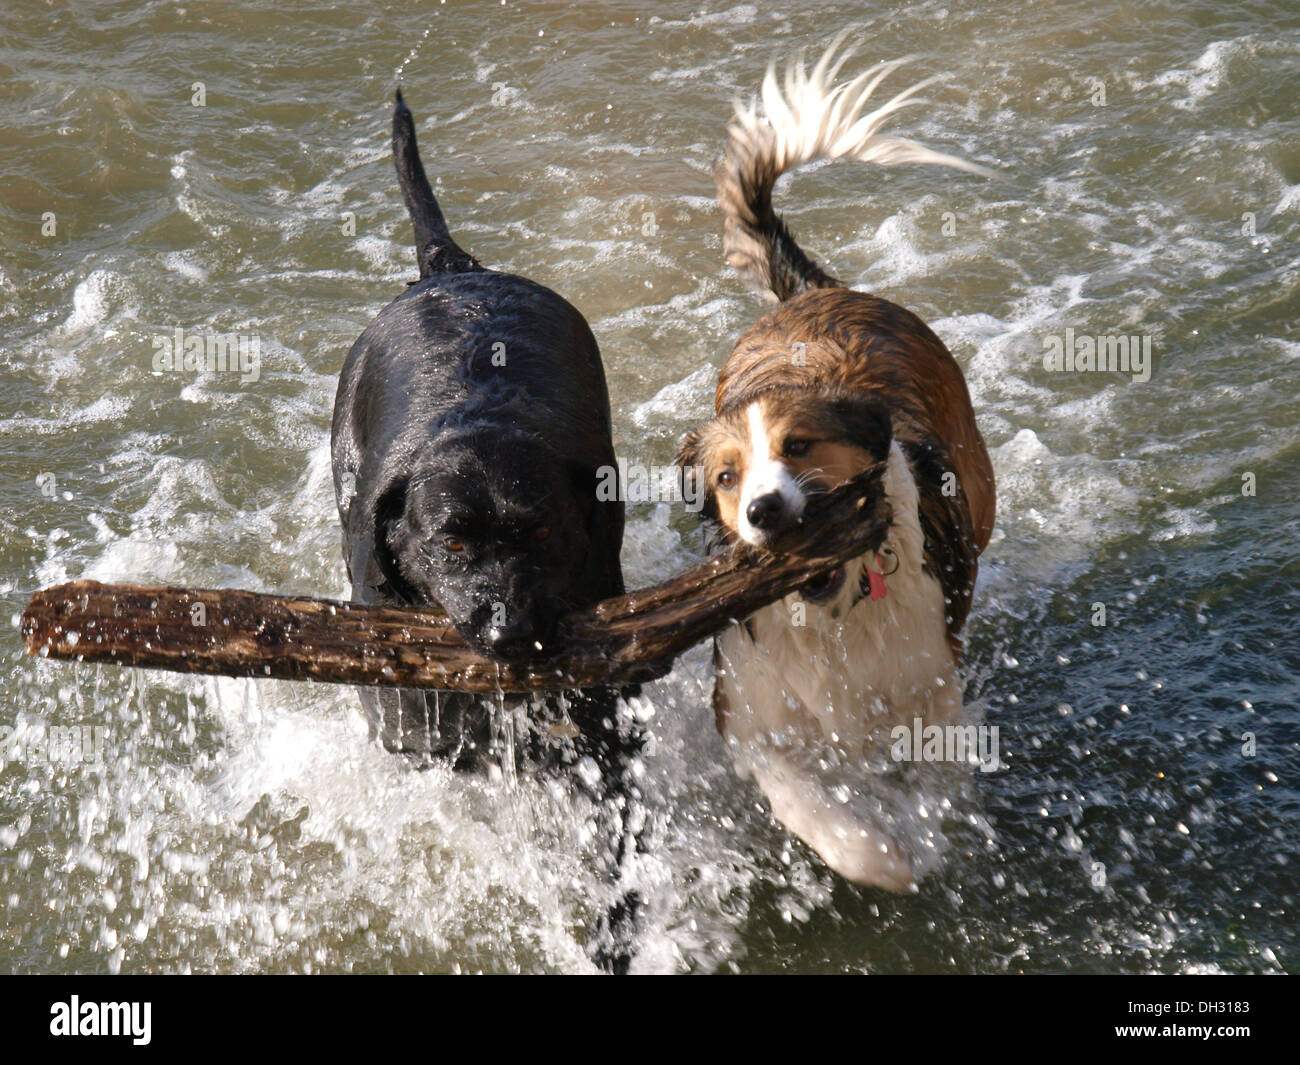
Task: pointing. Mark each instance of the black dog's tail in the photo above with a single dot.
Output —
(436, 251)
(811, 119)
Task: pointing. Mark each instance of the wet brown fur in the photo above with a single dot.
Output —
(833, 342)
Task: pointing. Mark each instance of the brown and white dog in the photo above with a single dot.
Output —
(823, 386)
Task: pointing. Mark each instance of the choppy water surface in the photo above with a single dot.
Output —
(240, 826)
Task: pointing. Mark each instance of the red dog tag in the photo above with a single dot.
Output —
(876, 581)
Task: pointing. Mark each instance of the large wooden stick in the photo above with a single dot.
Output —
(625, 640)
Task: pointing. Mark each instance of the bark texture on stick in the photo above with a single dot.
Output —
(625, 640)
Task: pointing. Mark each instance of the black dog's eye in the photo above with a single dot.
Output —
(452, 544)
(541, 532)
(726, 479)
(796, 449)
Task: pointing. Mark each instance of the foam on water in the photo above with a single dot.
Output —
(93, 301)
(240, 825)
(105, 409)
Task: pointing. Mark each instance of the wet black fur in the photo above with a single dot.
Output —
(474, 410)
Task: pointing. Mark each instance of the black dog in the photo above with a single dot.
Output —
(471, 421)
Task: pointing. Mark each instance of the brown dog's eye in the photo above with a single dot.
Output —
(726, 479)
(452, 544)
(541, 532)
(796, 449)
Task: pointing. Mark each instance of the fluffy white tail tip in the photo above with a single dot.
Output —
(809, 117)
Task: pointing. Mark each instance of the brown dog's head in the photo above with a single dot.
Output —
(763, 456)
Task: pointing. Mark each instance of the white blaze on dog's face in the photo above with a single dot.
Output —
(761, 460)
(771, 493)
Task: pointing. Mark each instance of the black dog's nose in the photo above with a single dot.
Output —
(766, 511)
(514, 640)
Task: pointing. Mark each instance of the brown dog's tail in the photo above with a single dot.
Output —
(436, 251)
(809, 118)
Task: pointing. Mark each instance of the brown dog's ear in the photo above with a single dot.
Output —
(695, 485)
(864, 422)
(688, 453)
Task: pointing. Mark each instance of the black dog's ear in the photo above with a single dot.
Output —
(600, 496)
(864, 422)
(598, 493)
(591, 484)
(597, 484)
(392, 537)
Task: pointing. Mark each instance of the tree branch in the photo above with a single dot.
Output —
(625, 640)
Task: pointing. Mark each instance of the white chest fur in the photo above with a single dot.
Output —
(804, 698)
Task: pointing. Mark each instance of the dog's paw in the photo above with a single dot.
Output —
(853, 847)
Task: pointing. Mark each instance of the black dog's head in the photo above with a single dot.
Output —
(495, 527)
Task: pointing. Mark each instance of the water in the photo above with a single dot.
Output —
(240, 826)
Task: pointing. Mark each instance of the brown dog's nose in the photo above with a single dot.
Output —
(766, 511)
